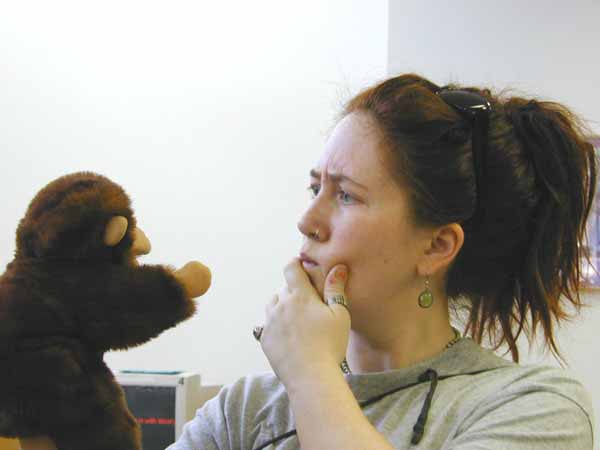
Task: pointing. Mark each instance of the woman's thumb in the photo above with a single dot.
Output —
(335, 285)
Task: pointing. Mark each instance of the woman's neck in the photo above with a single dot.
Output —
(400, 343)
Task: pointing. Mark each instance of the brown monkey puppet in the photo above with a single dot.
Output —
(74, 291)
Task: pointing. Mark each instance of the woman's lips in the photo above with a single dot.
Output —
(307, 263)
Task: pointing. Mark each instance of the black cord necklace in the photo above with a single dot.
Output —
(419, 426)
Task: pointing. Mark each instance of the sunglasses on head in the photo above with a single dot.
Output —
(476, 108)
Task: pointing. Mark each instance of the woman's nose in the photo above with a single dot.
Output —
(312, 227)
(316, 234)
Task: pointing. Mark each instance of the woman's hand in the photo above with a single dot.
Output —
(302, 333)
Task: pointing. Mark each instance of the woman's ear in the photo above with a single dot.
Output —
(442, 248)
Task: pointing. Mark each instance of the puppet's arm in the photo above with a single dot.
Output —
(123, 306)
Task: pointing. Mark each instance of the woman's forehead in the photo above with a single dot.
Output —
(354, 150)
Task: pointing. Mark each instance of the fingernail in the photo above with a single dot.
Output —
(341, 273)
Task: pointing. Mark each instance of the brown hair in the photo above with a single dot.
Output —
(523, 262)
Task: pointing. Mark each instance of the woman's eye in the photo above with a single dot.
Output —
(314, 190)
(345, 197)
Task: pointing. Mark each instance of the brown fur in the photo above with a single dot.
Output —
(67, 298)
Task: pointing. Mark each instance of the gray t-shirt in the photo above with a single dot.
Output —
(481, 402)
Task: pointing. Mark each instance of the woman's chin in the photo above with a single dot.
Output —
(320, 290)
(316, 279)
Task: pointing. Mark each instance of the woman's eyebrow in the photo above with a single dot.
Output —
(336, 178)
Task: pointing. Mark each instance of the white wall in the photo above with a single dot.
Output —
(543, 48)
(546, 48)
(210, 114)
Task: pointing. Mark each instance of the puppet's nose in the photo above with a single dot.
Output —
(141, 244)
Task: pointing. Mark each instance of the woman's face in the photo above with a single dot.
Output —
(363, 219)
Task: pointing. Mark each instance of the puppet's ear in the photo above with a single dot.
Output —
(115, 230)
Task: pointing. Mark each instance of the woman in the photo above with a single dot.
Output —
(425, 198)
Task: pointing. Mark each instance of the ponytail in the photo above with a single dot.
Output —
(565, 174)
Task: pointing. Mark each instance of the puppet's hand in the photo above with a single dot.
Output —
(195, 277)
(303, 332)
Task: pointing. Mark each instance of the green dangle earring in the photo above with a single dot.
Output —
(426, 297)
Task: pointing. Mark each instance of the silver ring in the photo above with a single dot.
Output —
(339, 300)
(257, 332)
